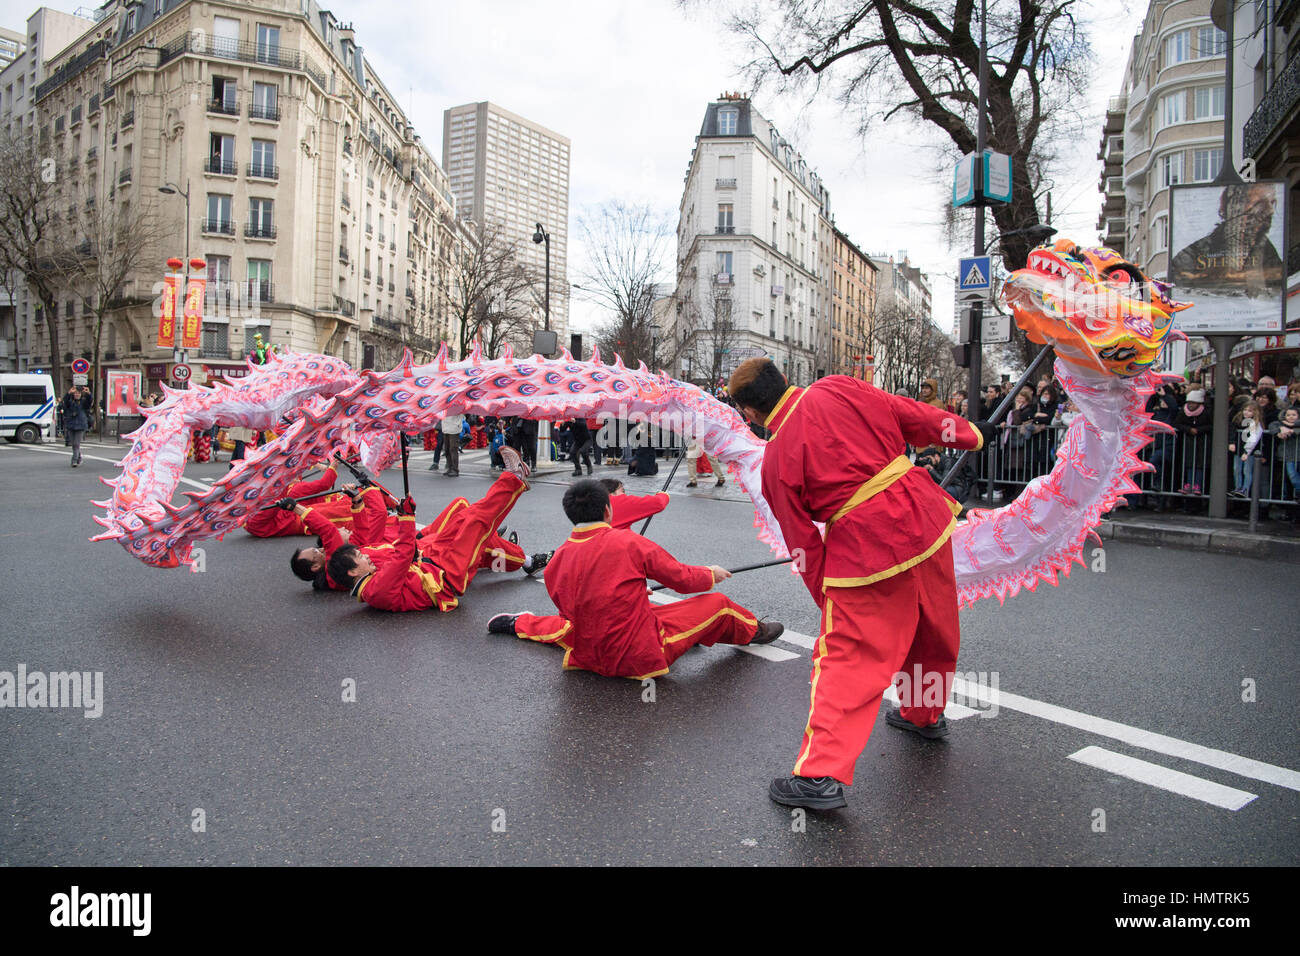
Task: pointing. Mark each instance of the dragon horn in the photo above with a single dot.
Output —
(476, 354)
(507, 353)
(442, 357)
(618, 362)
(595, 355)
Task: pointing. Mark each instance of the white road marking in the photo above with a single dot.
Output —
(68, 454)
(1159, 743)
(1175, 781)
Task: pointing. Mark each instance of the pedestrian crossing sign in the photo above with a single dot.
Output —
(973, 274)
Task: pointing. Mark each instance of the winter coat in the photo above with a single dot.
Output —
(75, 418)
(1286, 449)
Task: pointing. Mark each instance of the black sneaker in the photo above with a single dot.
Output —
(815, 793)
(936, 730)
(768, 631)
(538, 561)
(514, 537)
(503, 624)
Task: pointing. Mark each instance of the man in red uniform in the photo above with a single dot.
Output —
(276, 522)
(629, 509)
(431, 571)
(606, 623)
(883, 572)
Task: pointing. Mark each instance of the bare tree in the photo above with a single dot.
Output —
(490, 288)
(625, 272)
(890, 57)
(99, 248)
(909, 348)
(715, 337)
(28, 240)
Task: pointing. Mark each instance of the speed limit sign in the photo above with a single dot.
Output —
(181, 372)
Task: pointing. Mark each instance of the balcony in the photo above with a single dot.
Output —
(343, 255)
(261, 290)
(124, 177)
(387, 323)
(723, 278)
(262, 111)
(382, 240)
(92, 154)
(391, 288)
(370, 230)
(365, 274)
(392, 245)
(347, 203)
(224, 107)
(726, 230)
(1274, 109)
(218, 227)
(725, 184)
(217, 166)
(128, 119)
(94, 105)
(259, 231)
(262, 171)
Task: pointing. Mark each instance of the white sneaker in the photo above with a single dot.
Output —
(515, 465)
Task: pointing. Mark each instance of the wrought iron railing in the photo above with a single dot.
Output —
(1273, 109)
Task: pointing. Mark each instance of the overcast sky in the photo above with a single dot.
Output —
(628, 82)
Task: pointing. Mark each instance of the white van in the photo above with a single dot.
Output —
(26, 406)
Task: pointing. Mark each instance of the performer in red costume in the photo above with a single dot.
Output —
(629, 509)
(606, 623)
(276, 522)
(883, 574)
(416, 573)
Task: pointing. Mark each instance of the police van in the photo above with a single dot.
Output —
(26, 406)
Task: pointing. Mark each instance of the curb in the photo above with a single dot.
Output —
(1241, 543)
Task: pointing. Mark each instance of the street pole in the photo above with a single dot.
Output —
(981, 135)
(1222, 344)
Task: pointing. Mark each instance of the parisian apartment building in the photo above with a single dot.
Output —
(753, 250)
(853, 304)
(1165, 128)
(513, 173)
(270, 148)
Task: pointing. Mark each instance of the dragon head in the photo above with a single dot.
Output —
(1097, 310)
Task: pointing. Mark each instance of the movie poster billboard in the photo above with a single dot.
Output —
(123, 392)
(1227, 247)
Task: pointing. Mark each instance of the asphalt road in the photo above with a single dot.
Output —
(223, 692)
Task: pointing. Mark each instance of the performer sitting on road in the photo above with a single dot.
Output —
(433, 571)
(606, 623)
(277, 523)
(882, 570)
(629, 509)
(373, 527)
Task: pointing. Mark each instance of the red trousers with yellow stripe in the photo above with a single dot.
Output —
(460, 539)
(498, 553)
(705, 619)
(868, 635)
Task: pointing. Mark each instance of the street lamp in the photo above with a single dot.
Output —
(171, 189)
(541, 235)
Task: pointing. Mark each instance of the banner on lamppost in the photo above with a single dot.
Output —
(192, 328)
(167, 314)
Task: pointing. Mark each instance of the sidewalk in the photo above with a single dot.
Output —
(1273, 540)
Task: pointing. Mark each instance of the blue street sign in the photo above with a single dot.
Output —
(973, 274)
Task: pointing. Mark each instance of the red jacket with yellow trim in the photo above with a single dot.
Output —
(369, 524)
(277, 523)
(404, 580)
(828, 440)
(629, 509)
(597, 580)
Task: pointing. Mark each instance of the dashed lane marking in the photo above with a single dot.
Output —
(1175, 781)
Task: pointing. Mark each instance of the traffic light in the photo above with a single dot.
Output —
(961, 355)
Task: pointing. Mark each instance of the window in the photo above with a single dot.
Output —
(219, 208)
(1178, 47)
(263, 159)
(259, 280)
(268, 44)
(260, 222)
(215, 341)
(218, 292)
(1171, 170)
(724, 263)
(225, 36)
(1209, 102)
(1205, 164)
(266, 101)
(727, 122)
(726, 218)
(1160, 234)
(224, 93)
(221, 154)
(1173, 109)
(1211, 41)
